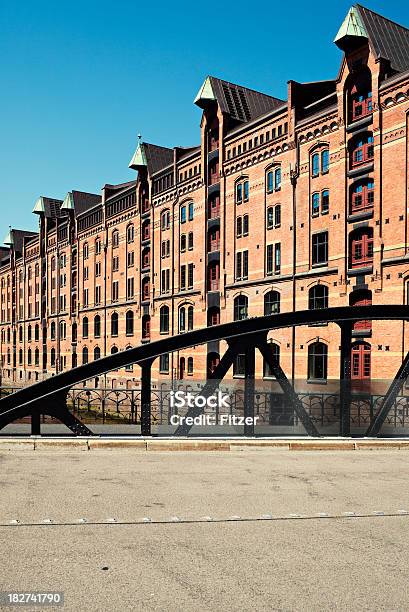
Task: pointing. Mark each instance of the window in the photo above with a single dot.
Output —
(362, 150)
(97, 353)
(130, 259)
(315, 210)
(213, 209)
(213, 360)
(97, 246)
(74, 332)
(273, 259)
(363, 194)
(242, 265)
(361, 361)
(115, 291)
(130, 288)
(165, 220)
(129, 323)
(325, 201)
(361, 247)
(360, 100)
(97, 295)
(85, 251)
(277, 179)
(242, 227)
(190, 241)
(242, 191)
(214, 239)
(190, 209)
(146, 327)
(97, 268)
(52, 331)
(115, 239)
(275, 356)
(29, 357)
(213, 316)
(182, 319)
(190, 318)
(318, 297)
(239, 365)
(146, 229)
(182, 278)
(320, 163)
(190, 365)
(320, 203)
(317, 361)
(85, 327)
(361, 297)
(213, 177)
(145, 289)
(165, 281)
(274, 216)
(271, 303)
(241, 307)
(36, 357)
(29, 333)
(130, 234)
(213, 276)
(190, 276)
(84, 355)
(164, 319)
(164, 363)
(183, 243)
(146, 258)
(245, 225)
(183, 214)
(114, 324)
(97, 326)
(52, 357)
(115, 264)
(320, 249)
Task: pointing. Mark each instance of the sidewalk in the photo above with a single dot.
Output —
(202, 444)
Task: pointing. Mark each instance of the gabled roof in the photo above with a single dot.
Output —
(80, 201)
(15, 238)
(50, 207)
(388, 39)
(152, 157)
(240, 103)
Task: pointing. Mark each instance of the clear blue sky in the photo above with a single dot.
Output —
(80, 80)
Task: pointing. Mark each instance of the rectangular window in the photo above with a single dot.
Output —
(164, 364)
(320, 249)
(115, 291)
(165, 275)
(246, 190)
(190, 276)
(182, 277)
(130, 288)
(85, 298)
(115, 264)
(242, 265)
(97, 295)
(239, 193)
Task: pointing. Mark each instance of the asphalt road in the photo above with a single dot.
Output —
(182, 560)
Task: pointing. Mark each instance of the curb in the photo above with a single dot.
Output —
(172, 445)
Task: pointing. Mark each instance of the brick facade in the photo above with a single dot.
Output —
(284, 205)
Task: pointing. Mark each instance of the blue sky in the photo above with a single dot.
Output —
(81, 79)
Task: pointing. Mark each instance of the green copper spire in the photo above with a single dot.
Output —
(68, 203)
(9, 239)
(39, 206)
(352, 28)
(139, 157)
(205, 93)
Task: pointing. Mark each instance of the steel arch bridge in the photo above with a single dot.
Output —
(49, 397)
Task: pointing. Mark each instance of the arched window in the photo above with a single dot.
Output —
(164, 319)
(52, 331)
(362, 195)
(242, 191)
(36, 357)
(63, 330)
(52, 358)
(97, 326)
(275, 356)
(74, 360)
(213, 316)
(20, 357)
(360, 95)
(146, 327)
(85, 251)
(74, 332)
(315, 204)
(130, 233)
(318, 297)
(36, 334)
(190, 318)
(85, 327)
(20, 333)
(129, 322)
(240, 308)
(320, 162)
(271, 303)
(361, 247)
(190, 365)
(84, 355)
(165, 220)
(317, 361)
(97, 353)
(115, 239)
(362, 149)
(29, 357)
(114, 324)
(97, 246)
(270, 181)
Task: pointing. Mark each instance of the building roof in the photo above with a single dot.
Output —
(389, 40)
(152, 157)
(240, 103)
(80, 201)
(50, 207)
(15, 238)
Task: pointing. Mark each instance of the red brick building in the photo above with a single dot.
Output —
(284, 205)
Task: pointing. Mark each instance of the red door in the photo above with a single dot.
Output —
(361, 361)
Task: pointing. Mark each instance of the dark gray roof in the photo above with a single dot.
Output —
(157, 157)
(389, 40)
(83, 201)
(52, 208)
(240, 103)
